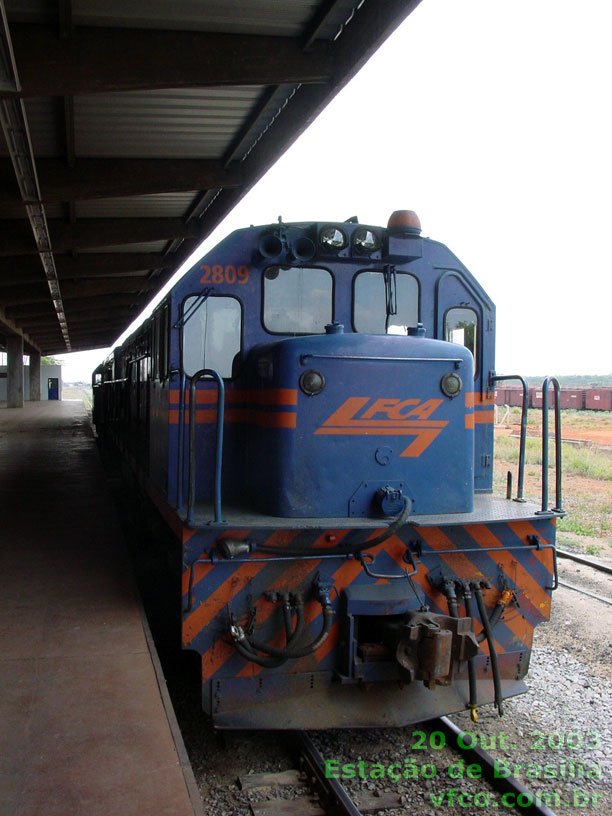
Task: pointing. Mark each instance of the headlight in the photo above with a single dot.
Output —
(366, 239)
(332, 237)
(312, 382)
(451, 385)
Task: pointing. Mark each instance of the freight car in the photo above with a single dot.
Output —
(580, 399)
(311, 410)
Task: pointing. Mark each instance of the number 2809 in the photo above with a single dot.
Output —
(224, 274)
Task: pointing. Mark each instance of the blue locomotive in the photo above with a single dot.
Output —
(311, 410)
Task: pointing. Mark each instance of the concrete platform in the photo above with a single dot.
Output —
(84, 726)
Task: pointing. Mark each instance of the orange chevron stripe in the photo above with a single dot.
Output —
(537, 595)
(484, 417)
(459, 563)
(203, 568)
(213, 659)
(201, 617)
(520, 627)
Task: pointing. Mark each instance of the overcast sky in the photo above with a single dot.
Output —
(490, 119)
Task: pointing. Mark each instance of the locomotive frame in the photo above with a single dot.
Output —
(344, 562)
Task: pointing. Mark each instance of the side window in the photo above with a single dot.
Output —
(385, 304)
(461, 326)
(212, 336)
(297, 300)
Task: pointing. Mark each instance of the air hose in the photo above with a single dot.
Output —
(473, 703)
(243, 647)
(288, 652)
(492, 651)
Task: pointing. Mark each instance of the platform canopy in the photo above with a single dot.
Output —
(132, 127)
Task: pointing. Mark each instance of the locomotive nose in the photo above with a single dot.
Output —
(376, 421)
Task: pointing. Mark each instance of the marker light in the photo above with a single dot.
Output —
(451, 385)
(365, 239)
(312, 382)
(333, 237)
(406, 221)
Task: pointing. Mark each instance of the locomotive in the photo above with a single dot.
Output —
(311, 410)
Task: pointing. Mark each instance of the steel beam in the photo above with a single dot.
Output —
(99, 60)
(110, 178)
(13, 268)
(83, 289)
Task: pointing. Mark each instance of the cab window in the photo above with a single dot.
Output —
(461, 327)
(297, 300)
(385, 302)
(212, 335)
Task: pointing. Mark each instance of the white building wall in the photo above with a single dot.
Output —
(46, 372)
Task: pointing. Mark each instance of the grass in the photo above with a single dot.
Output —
(581, 461)
(587, 473)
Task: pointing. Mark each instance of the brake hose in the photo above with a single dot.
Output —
(492, 651)
(287, 652)
(244, 648)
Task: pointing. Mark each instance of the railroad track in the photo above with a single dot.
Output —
(324, 795)
(580, 559)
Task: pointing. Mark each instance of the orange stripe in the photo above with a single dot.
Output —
(264, 419)
(473, 398)
(376, 431)
(486, 417)
(469, 421)
(270, 396)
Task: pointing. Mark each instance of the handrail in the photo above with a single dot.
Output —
(558, 508)
(200, 375)
(181, 438)
(493, 378)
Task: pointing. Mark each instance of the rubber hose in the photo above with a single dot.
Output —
(492, 652)
(469, 608)
(244, 648)
(328, 614)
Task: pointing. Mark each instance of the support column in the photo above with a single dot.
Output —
(35, 376)
(14, 373)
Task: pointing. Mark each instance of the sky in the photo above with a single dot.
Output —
(490, 120)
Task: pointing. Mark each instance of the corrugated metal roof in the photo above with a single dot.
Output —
(149, 246)
(149, 120)
(150, 206)
(187, 123)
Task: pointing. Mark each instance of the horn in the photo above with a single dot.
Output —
(303, 248)
(270, 246)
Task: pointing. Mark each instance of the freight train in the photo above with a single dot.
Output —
(579, 399)
(310, 408)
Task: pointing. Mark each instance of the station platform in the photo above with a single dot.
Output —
(86, 726)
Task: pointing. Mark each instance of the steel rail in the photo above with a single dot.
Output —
(586, 592)
(333, 794)
(474, 753)
(580, 559)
